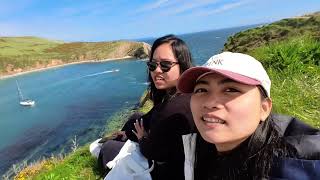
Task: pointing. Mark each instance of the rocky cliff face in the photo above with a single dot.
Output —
(142, 52)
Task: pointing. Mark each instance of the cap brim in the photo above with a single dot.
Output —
(188, 79)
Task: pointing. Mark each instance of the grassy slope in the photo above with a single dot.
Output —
(293, 66)
(18, 46)
(280, 30)
(25, 53)
(78, 165)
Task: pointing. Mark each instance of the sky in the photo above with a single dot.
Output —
(106, 20)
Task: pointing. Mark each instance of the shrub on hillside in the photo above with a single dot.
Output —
(294, 69)
(294, 55)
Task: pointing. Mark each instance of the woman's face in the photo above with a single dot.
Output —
(227, 112)
(165, 80)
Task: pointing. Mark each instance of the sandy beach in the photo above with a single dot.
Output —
(62, 65)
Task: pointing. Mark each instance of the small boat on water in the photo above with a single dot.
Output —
(23, 101)
(27, 102)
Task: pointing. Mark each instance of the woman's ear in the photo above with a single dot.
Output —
(266, 106)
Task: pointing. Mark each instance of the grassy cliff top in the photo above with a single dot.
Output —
(281, 30)
(18, 54)
(27, 45)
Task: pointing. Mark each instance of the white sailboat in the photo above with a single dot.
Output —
(24, 102)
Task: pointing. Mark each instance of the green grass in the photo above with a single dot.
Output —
(26, 52)
(294, 69)
(145, 103)
(19, 46)
(250, 39)
(79, 165)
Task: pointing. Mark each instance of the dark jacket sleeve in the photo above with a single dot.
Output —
(295, 169)
(304, 138)
(129, 126)
(164, 142)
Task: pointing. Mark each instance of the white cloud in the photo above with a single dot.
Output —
(191, 5)
(153, 5)
(173, 7)
(165, 8)
(223, 8)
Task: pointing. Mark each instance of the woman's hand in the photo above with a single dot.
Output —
(140, 131)
(119, 134)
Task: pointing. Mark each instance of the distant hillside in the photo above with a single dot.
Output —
(19, 54)
(277, 31)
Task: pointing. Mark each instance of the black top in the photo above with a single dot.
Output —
(166, 123)
(295, 146)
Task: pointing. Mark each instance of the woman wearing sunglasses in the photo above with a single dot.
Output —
(159, 131)
(238, 137)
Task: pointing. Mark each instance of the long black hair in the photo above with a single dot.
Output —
(181, 53)
(252, 159)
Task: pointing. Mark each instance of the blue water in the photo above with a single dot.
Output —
(77, 100)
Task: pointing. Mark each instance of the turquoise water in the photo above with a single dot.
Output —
(72, 100)
(77, 100)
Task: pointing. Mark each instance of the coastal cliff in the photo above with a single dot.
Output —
(23, 54)
(278, 31)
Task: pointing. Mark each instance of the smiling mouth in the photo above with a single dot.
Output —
(213, 120)
(159, 79)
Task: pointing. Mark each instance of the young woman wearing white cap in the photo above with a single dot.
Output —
(239, 138)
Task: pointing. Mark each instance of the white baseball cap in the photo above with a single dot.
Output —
(236, 66)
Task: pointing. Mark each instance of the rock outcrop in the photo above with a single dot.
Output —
(142, 52)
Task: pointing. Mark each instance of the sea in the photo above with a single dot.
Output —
(75, 101)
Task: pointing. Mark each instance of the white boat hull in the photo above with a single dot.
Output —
(27, 103)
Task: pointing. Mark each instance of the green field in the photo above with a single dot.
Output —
(20, 46)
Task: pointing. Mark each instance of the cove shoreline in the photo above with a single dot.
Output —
(62, 65)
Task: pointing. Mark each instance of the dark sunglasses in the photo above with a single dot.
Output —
(165, 66)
